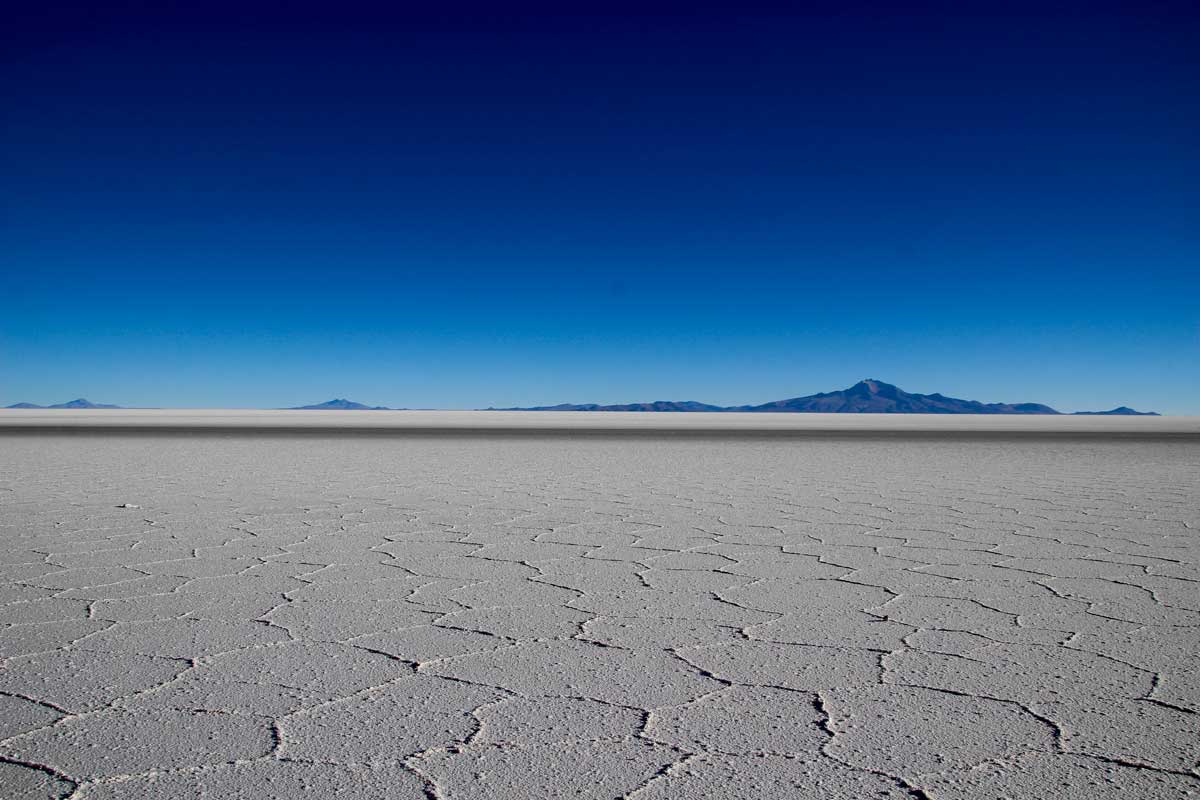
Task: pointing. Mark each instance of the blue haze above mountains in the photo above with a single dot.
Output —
(868, 396)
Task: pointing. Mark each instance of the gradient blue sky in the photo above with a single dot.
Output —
(207, 206)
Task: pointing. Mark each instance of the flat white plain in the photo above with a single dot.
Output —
(649, 616)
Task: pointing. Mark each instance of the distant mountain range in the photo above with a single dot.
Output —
(79, 403)
(865, 397)
(657, 405)
(339, 404)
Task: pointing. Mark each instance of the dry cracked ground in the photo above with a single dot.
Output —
(407, 617)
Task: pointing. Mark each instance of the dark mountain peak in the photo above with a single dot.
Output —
(339, 404)
(869, 387)
(24, 405)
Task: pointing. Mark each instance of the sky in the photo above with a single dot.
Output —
(466, 205)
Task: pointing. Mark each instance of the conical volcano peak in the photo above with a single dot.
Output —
(871, 386)
(340, 404)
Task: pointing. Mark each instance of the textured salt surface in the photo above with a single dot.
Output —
(414, 617)
(577, 423)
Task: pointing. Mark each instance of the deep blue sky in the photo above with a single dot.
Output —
(206, 206)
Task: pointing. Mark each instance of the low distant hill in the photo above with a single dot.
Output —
(78, 403)
(1124, 411)
(339, 404)
(657, 405)
(865, 397)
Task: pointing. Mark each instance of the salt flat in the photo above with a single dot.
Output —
(579, 422)
(221, 612)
